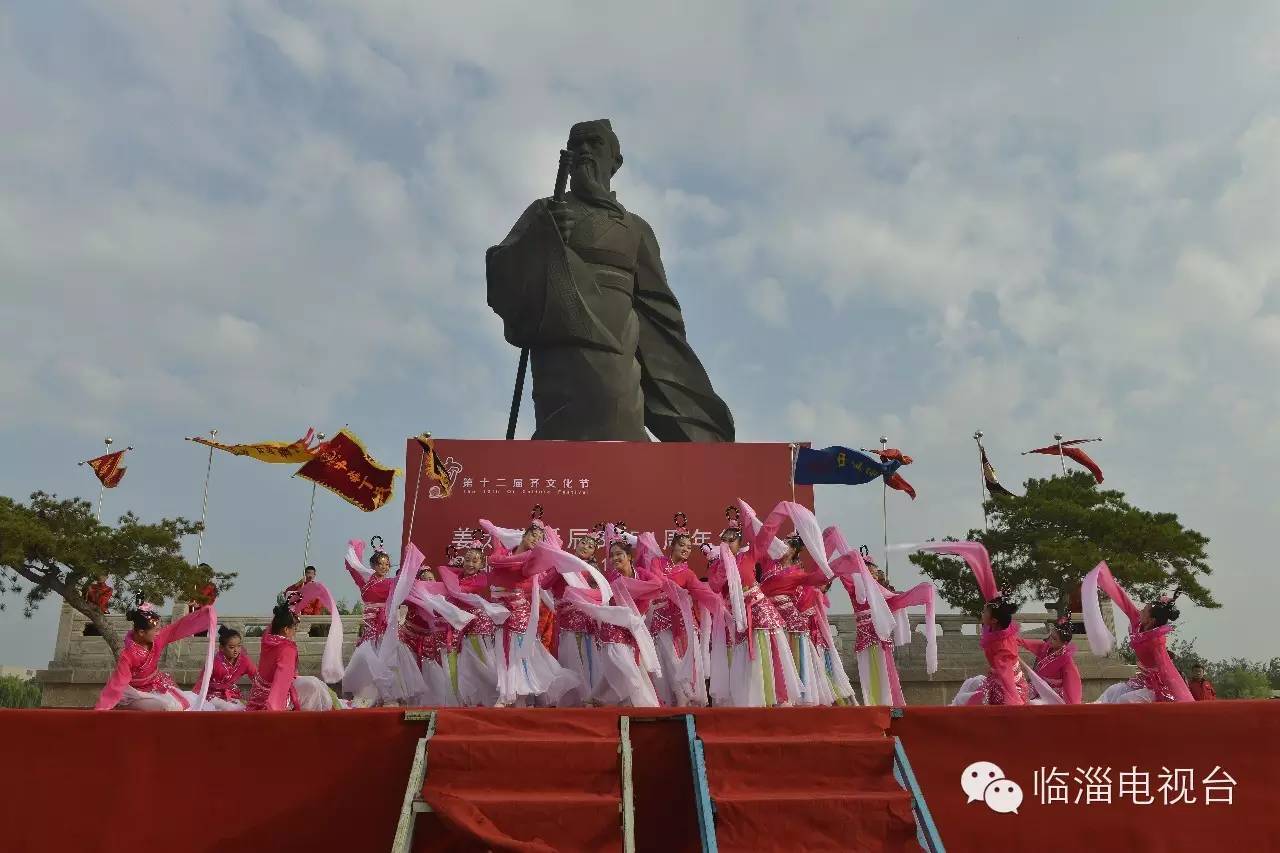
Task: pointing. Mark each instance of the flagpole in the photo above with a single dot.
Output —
(982, 478)
(417, 487)
(102, 486)
(792, 476)
(204, 509)
(884, 508)
(311, 515)
(1057, 436)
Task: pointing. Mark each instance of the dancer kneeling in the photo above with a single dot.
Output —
(277, 686)
(138, 683)
(1055, 666)
(1158, 679)
(230, 664)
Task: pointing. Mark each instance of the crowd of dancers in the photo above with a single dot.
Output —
(518, 617)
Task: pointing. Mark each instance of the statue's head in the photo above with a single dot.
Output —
(597, 154)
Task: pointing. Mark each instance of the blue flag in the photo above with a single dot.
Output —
(840, 465)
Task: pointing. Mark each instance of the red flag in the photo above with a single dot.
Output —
(893, 454)
(344, 467)
(1071, 452)
(895, 481)
(108, 468)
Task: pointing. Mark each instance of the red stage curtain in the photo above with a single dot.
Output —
(1243, 738)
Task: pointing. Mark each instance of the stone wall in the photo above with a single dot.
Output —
(82, 663)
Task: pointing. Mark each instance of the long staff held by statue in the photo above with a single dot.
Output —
(562, 181)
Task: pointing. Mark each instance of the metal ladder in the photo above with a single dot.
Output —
(926, 829)
(413, 804)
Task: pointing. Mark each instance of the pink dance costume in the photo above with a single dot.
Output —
(138, 683)
(680, 623)
(277, 685)
(1158, 678)
(224, 688)
(1004, 683)
(472, 648)
(527, 672)
(1057, 669)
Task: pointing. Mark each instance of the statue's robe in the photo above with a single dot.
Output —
(606, 336)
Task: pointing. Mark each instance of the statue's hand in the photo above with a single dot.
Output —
(566, 218)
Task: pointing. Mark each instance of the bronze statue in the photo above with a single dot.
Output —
(579, 283)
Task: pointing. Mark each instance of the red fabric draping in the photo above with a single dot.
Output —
(203, 781)
(1242, 738)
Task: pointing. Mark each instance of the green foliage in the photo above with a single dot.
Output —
(57, 546)
(1042, 545)
(19, 692)
(1240, 679)
(346, 608)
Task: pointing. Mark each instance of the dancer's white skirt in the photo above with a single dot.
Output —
(742, 681)
(681, 683)
(477, 672)
(577, 652)
(526, 670)
(437, 678)
(1123, 693)
(623, 681)
(133, 699)
(973, 685)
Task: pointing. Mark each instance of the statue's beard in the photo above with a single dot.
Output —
(586, 178)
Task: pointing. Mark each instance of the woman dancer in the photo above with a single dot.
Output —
(1055, 666)
(751, 663)
(1004, 683)
(527, 673)
(575, 646)
(882, 620)
(277, 685)
(625, 669)
(138, 683)
(1158, 679)
(475, 672)
(427, 637)
(677, 634)
(785, 580)
(367, 678)
(230, 664)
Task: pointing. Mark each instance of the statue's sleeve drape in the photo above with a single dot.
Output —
(679, 402)
(535, 285)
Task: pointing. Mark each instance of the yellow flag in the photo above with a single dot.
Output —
(269, 451)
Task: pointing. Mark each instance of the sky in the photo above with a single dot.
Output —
(908, 219)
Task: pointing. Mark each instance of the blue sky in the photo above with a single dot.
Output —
(898, 218)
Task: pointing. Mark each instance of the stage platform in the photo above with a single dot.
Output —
(547, 779)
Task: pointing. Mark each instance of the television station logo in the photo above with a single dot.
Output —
(983, 781)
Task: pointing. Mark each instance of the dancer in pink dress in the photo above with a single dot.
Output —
(1158, 678)
(527, 673)
(476, 667)
(277, 685)
(138, 683)
(680, 625)
(1055, 666)
(1004, 683)
(367, 679)
(628, 658)
(575, 646)
(230, 664)
(882, 621)
(427, 637)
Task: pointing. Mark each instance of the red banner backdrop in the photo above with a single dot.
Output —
(580, 484)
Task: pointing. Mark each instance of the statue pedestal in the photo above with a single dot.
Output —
(582, 483)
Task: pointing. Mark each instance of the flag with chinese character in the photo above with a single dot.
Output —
(838, 465)
(344, 467)
(994, 486)
(1069, 450)
(433, 466)
(849, 467)
(269, 451)
(108, 468)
